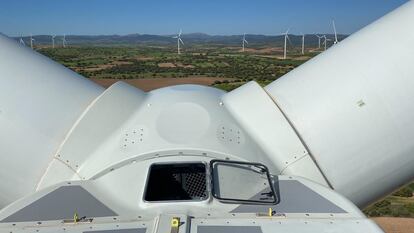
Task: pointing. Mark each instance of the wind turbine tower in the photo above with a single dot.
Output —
(286, 39)
(325, 41)
(244, 41)
(179, 41)
(31, 41)
(303, 44)
(319, 40)
(53, 41)
(64, 42)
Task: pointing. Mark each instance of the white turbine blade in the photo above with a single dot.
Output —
(334, 27)
(290, 42)
(181, 31)
(181, 41)
(325, 39)
(287, 32)
(245, 41)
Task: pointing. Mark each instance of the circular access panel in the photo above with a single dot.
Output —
(183, 122)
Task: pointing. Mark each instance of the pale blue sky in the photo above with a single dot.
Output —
(96, 17)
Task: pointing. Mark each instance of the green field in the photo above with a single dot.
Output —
(399, 204)
(128, 62)
(259, 64)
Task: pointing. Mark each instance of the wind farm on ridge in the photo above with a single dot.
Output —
(153, 61)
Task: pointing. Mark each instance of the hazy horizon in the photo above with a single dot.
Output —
(166, 35)
(123, 17)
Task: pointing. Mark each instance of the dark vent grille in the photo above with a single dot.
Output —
(169, 182)
(193, 183)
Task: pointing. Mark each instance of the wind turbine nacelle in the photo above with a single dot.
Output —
(343, 120)
(78, 131)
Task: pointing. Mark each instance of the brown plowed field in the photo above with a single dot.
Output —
(155, 83)
(395, 225)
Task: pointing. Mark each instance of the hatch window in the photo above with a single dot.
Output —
(241, 182)
(172, 182)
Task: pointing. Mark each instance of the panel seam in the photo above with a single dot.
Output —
(299, 137)
(68, 134)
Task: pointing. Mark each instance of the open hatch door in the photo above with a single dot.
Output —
(242, 182)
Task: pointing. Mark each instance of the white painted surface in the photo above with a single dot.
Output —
(125, 123)
(353, 106)
(121, 192)
(40, 100)
(258, 115)
(183, 122)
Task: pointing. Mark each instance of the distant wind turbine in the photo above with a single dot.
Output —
(21, 41)
(53, 41)
(31, 41)
(336, 35)
(303, 44)
(319, 40)
(64, 42)
(286, 40)
(179, 41)
(325, 41)
(244, 41)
